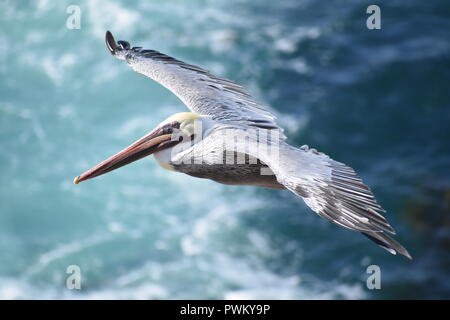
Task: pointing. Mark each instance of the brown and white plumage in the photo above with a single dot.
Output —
(330, 188)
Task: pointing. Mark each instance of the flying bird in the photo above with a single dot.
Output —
(229, 138)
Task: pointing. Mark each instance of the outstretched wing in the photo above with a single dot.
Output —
(335, 192)
(331, 189)
(203, 93)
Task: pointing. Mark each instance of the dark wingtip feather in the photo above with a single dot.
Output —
(387, 243)
(110, 42)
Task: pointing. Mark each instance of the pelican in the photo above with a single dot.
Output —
(231, 139)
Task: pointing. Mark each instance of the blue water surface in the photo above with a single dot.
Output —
(378, 100)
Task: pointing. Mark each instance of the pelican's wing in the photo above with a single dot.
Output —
(334, 191)
(331, 189)
(203, 93)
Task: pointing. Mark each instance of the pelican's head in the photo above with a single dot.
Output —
(183, 127)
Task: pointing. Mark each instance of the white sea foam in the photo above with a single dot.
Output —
(108, 15)
(54, 67)
(63, 250)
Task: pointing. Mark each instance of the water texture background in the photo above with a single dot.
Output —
(376, 100)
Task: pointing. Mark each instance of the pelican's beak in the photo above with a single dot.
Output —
(155, 141)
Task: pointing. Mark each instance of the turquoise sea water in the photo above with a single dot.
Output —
(376, 100)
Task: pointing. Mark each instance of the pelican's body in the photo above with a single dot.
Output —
(231, 139)
(246, 174)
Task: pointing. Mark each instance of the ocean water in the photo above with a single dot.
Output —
(378, 100)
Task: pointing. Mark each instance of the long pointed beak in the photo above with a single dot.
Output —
(155, 141)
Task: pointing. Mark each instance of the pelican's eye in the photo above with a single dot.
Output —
(169, 127)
